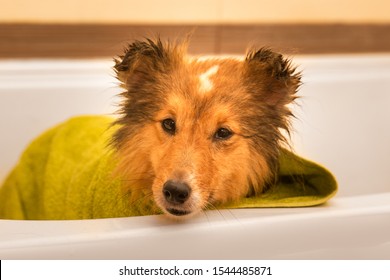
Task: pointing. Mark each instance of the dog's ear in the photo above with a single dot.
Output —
(271, 77)
(142, 61)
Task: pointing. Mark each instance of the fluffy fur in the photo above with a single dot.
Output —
(197, 132)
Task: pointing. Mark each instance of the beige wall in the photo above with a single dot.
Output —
(195, 11)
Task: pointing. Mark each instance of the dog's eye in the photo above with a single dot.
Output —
(223, 134)
(169, 126)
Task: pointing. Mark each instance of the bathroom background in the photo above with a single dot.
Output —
(96, 28)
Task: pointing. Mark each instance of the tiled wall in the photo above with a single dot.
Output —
(97, 40)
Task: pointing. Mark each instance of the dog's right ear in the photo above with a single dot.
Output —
(142, 61)
(272, 77)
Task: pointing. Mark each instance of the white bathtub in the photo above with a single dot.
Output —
(343, 122)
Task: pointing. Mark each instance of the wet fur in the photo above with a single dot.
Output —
(249, 97)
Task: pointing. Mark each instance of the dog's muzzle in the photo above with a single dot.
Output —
(176, 193)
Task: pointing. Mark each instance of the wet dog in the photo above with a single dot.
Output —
(198, 132)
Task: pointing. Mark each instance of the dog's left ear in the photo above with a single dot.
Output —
(271, 77)
(143, 61)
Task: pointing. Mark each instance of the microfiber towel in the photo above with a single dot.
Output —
(67, 173)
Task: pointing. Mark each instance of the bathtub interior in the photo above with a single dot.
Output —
(343, 121)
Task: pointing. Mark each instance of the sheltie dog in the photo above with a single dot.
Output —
(198, 132)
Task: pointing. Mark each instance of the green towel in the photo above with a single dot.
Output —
(66, 173)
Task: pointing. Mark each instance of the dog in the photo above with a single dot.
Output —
(198, 132)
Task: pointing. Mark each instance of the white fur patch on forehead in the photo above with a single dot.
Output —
(205, 84)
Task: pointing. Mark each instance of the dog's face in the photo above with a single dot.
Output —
(199, 132)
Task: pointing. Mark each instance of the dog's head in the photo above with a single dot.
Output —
(199, 132)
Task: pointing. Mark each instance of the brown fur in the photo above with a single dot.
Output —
(247, 97)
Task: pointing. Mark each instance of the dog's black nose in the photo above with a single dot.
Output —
(176, 192)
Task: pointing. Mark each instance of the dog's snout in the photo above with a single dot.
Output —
(176, 192)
